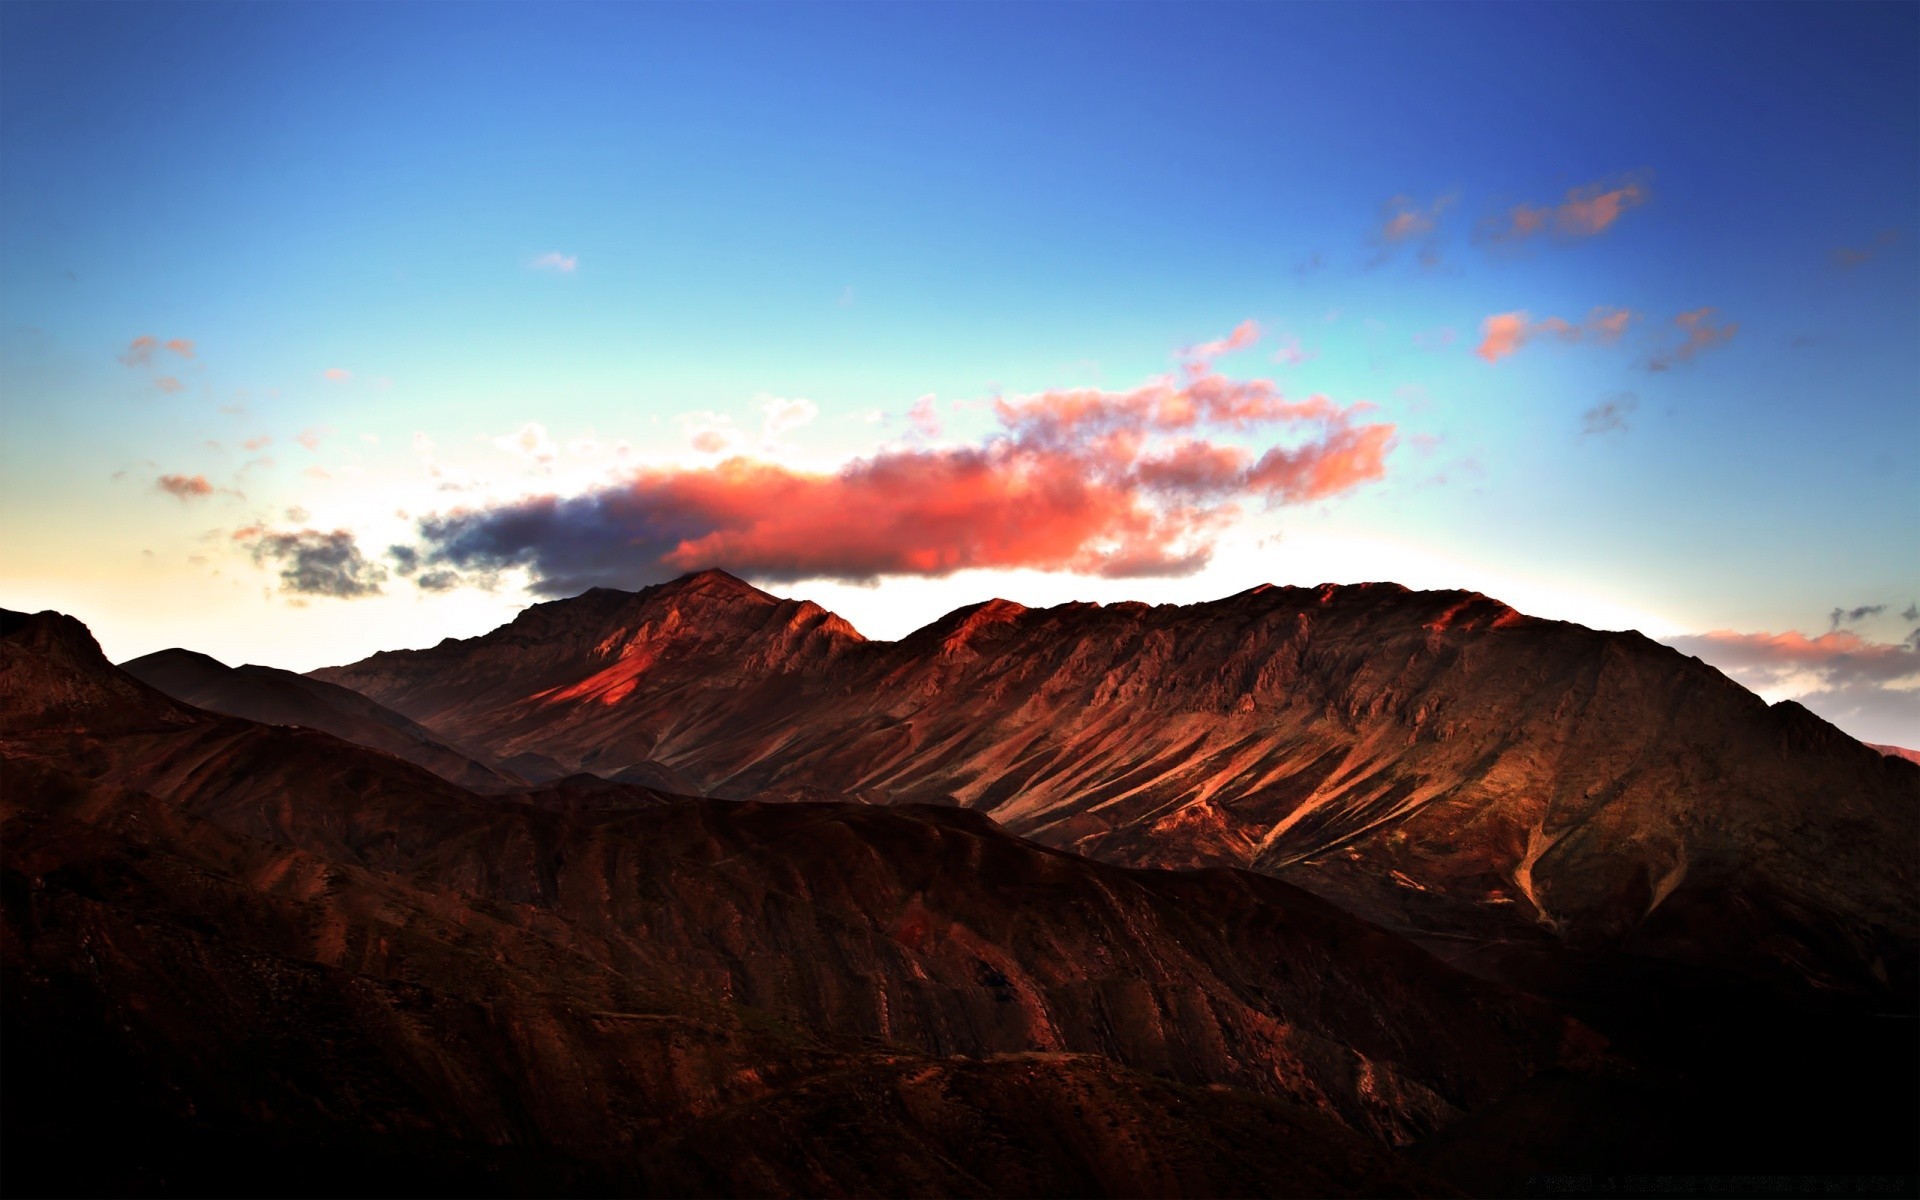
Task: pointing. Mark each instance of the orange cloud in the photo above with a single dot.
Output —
(255, 443)
(1245, 334)
(169, 384)
(181, 346)
(1585, 212)
(1504, 333)
(923, 417)
(185, 487)
(336, 374)
(1699, 334)
(1108, 483)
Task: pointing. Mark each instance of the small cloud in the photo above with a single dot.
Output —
(781, 415)
(529, 441)
(710, 441)
(317, 473)
(422, 444)
(298, 515)
(923, 417)
(1699, 334)
(1853, 616)
(1609, 416)
(140, 351)
(311, 438)
(1403, 222)
(315, 563)
(1585, 212)
(1504, 333)
(846, 298)
(1312, 264)
(256, 443)
(1847, 258)
(336, 374)
(1290, 353)
(169, 384)
(185, 487)
(1245, 334)
(553, 260)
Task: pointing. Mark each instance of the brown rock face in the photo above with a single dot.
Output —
(235, 950)
(1502, 787)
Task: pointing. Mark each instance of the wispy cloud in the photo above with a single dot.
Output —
(1847, 257)
(531, 441)
(1584, 212)
(141, 350)
(336, 375)
(553, 260)
(1698, 334)
(311, 438)
(1109, 483)
(924, 418)
(1404, 221)
(1504, 333)
(1609, 416)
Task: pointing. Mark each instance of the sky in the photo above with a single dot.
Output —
(327, 329)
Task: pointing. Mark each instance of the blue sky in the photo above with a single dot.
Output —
(628, 225)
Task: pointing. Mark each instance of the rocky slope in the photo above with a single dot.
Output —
(232, 948)
(275, 697)
(1518, 793)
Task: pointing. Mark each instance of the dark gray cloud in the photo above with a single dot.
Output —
(1851, 616)
(316, 563)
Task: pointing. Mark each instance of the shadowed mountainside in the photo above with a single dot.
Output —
(229, 939)
(275, 697)
(1521, 794)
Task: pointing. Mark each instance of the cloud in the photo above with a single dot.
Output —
(529, 441)
(185, 487)
(1870, 689)
(336, 374)
(315, 563)
(1847, 258)
(780, 415)
(140, 351)
(1312, 264)
(1699, 334)
(553, 260)
(256, 443)
(1245, 334)
(1504, 333)
(1402, 221)
(169, 384)
(923, 418)
(1585, 212)
(311, 438)
(1609, 416)
(1107, 483)
(1853, 616)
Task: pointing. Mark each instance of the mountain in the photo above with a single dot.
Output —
(256, 957)
(275, 697)
(1912, 756)
(1542, 802)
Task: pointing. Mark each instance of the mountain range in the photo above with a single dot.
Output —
(695, 891)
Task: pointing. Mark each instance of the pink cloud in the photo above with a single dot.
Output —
(1245, 334)
(710, 441)
(1109, 483)
(336, 374)
(140, 351)
(1504, 333)
(1698, 335)
(255, 443)
(169, 384)
(185, 487)
(924, 419)
(1584, 212)
(553, 260)
(311, 438)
